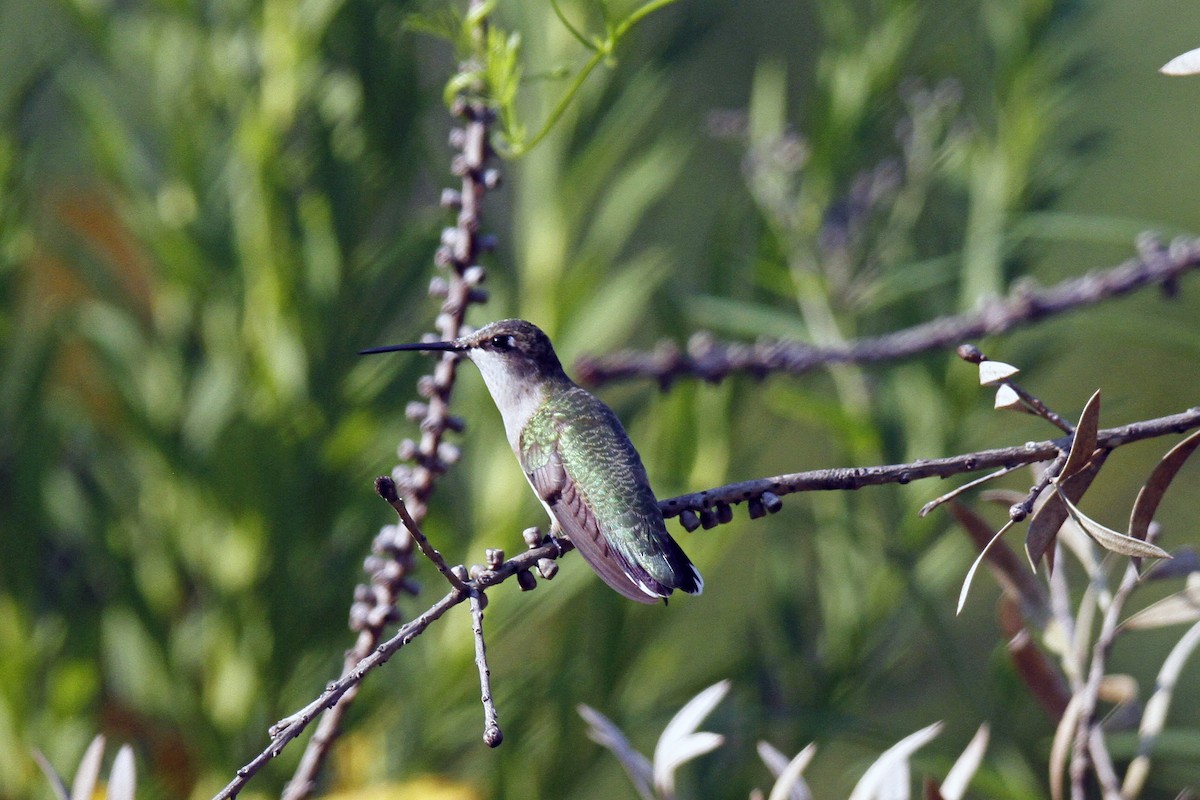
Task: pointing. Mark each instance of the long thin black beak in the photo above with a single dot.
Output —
(452, 347)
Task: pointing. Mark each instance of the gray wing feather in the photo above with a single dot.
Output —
(560, 494)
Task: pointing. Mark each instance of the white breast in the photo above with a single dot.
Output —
(517, 399)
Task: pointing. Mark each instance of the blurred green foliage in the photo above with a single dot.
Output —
(209, 205)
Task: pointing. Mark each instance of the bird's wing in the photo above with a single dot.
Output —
(556, 488)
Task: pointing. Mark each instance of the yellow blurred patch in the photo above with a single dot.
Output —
(428, 787)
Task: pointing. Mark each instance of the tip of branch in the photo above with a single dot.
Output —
(385, 487)
(492, 737)
(970, 353)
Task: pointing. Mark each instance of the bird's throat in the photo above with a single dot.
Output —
(517, 396)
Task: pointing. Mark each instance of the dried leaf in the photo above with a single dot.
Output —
(1182, 606)
(1186, 64)
(88, 773)
(957, 780)
(1155, 716)
(1073, 540)
(993, 372)
(1113, 540)
(789, 783)
(1016, 581)
(1083, 443)
(605, 733)
(966, 587)
(122, 778)
(680, 742)
(1118, 689)
(889, 774)
(1156, 485)
(1049, 516)
(1006, 398)
(986, 495)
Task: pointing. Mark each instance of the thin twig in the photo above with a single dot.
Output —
(492, 736)
(1034, 405)
(1088, 749)
(292, 726)
(857, 477)
(385, 487)
(1019, 511)
(1039, 408)
(710, 360)
(953, 493)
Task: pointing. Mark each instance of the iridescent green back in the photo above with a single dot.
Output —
(582, 464)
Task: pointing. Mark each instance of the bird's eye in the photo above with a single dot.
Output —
(502, 342)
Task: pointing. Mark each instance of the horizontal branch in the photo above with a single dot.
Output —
(753, 492)
(711, 360)
(855, 477)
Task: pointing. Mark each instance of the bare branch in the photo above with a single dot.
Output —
(713, 361)
(292, 726)
(857, 477)
(966, 487)
(1088, 747)
(492, 736)
(386, 488)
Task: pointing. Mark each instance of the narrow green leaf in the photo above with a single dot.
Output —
(558, 12)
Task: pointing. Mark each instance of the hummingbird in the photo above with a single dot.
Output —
(578, 459)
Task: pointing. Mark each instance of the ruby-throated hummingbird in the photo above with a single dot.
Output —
(578, 459)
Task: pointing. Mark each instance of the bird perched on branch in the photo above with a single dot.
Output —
(578, 459)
